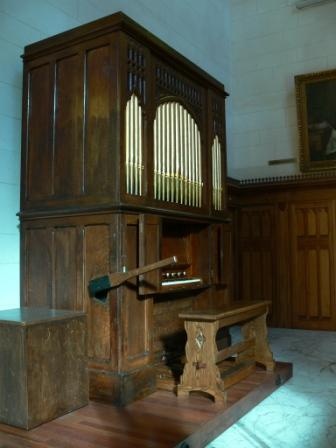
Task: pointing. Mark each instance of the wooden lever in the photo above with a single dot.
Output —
(98, 287)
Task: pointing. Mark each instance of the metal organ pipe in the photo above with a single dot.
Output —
(217, 187)
(134, 146)
(177, 156)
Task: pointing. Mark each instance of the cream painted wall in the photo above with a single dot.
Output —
(199, 29)
(271, 42)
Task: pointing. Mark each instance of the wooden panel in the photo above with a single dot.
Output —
(39, 135)
(13, 379)
(257, 253)
(245, 276)
(312, 283)
(198, 246)
(69, 127)
(135, 310)
(99, 127)
(323, 222)
(300, 295)
(97, 252)
(149, 252)
(38, 267)
(325, 285)
(281, 311)
(313, 265)
(65, 268)
(221, 255)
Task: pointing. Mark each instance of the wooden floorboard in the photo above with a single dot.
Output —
(160, 420)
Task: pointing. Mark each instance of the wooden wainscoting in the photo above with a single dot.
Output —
(312, 265)
(285, 248)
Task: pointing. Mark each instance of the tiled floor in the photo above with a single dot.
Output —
(301, 413)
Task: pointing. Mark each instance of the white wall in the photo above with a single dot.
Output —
(271, 42)
(196, 28)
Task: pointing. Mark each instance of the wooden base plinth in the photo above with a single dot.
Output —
(162, 419)
(121, 389)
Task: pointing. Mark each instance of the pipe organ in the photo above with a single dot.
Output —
(123, 164)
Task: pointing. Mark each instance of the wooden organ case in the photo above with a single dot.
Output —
(123, 164)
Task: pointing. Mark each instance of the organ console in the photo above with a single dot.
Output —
(123, 165)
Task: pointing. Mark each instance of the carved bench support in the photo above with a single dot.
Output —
(201, 371)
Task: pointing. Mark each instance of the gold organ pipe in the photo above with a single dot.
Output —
(127, 149)
(171, 150)
(216, 176)
(136, 146)
(177, 156)
(177, 153)
(140, 149)
(217, 187)
(199, 146)
(161, 157)
(197, 165)
(133, 146)
(155, 154)
(180, 137)
(132, 131)
(185, 158)
(158, 144)
(166, 153)
(189, 160)
(220, 184)
(193, 161)
(217, 173)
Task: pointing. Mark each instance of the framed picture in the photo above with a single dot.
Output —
(316, 108)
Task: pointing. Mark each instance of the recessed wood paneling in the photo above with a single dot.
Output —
(39, 145)
(313, 265)
(97, 254)
(65, 268)
(257, 253)
(297, 243)
(68, 146)
(135, 311)
(38, 267)
(98, 124)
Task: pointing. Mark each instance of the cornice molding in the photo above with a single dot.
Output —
(325, 177)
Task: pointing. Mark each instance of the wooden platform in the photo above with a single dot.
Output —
(160, 420)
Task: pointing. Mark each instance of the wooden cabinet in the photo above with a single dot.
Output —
(123, 163)
(115, 118)
(285, 249)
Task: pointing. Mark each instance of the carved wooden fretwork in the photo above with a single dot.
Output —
(171, 83)
(136, 73)
(218, 119)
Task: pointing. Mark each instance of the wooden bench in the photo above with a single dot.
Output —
(207, 369)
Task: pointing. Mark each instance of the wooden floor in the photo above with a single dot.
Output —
(161, 420)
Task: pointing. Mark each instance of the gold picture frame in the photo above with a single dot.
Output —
(316, 110)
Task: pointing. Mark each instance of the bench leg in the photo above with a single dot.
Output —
(200, 371)
(257, 329)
